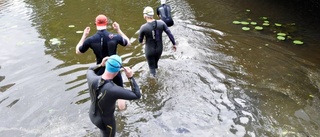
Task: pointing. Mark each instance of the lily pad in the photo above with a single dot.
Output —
(278, 24)
(55, 42)
(258, 28)
(281, 38)
(298, 42)
(236, 22)
(253, 23)
(248, 10)
(264, 18)
(265, 24)
(281, 34)
(245, 28)
(80, 31)
(71, 26)
(244, 23)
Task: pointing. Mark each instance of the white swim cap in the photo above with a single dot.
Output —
(148, 11)
(163, 1)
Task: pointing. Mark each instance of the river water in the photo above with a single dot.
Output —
(222, 81)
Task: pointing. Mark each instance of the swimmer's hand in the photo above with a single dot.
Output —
(143, 42)
(128, 72)
(86, 31)
(104, 60)
(116, 26)
(121, 104)
(174, 48)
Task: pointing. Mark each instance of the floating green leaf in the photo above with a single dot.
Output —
(248, 10)
(55, 42)
(278, 25)
(265, 24)
(281, 38)
(79, 31)
(311, 96)
(53, 39)
(236, 22)
(253, 23)
(71, 26)
(258, 28)
(244, 23)
(281, 34)
(264, 18)
(298, 42)
(245, 28)
(292, 24)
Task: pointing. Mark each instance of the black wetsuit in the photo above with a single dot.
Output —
(153, 49)
(164, 11)
(103, 95)
(104, 44)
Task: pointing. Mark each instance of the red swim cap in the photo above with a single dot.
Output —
(101, 20)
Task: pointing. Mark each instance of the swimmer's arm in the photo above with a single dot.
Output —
(83, 38)
(90, 72)
(94, 67)
(127, 94)
(134, 87)
(158, 13)
(168, 32)
(116, 26)
(141, 35)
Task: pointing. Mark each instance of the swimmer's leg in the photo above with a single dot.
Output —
(110, 130)
(151, 63)
(158, 53)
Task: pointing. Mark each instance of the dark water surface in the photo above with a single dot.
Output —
(222, 81)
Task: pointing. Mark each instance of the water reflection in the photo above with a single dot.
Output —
(12, 103)
(3, 99)
(6, 87)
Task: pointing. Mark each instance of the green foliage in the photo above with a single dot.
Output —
(245, 28)
(282, 31)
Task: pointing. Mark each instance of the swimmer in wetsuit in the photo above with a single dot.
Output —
(104, 94)
(152, 31)
(164, 13)
(103, 44)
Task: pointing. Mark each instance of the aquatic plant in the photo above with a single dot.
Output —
(297, 42)
(282, 31)
(245, 28)
(258, 28)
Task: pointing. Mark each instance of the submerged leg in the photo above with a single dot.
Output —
(153, 72)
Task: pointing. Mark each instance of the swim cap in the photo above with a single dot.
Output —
(163, 1)
(148, 11)
(101, 20)
(113, 64)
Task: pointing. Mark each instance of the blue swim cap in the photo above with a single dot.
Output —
(113, 64)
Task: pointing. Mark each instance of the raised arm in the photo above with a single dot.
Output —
(132, 94)
(116, 27)
(90, 72)
(134, 86)
(83, 38)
